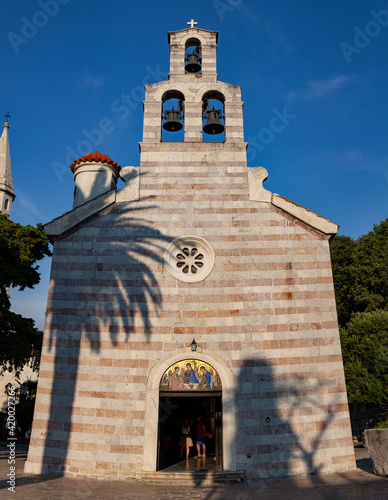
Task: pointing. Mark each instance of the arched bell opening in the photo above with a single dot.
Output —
(173, 116)
(213, 117)
(193, 56)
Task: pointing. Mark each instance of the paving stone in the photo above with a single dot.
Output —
(354, 485)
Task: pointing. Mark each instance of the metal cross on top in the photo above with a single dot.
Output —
(192, 22)
(7, 115)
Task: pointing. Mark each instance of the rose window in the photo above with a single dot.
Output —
(189, 259)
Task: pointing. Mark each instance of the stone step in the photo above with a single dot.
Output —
(195, 478)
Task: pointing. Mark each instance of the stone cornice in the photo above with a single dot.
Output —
(79, 214)
(257, 175)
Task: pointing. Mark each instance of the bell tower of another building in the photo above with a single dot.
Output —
(6, 184)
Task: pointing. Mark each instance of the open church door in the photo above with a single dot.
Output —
(188, 389)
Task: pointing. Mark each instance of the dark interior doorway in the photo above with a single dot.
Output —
(173, 407)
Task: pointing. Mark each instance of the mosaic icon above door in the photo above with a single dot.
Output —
(190, 375)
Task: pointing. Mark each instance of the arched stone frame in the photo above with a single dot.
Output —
(219, 97)
(206, 45)
(169, 87)
(152, 406)
(193, 41)
(197, 36)
(172, 93)
(219, 88)
(215, 87)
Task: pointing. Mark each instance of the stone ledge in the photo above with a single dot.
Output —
(203, 478)
(258, 175)
(79, 214)
(310, 218)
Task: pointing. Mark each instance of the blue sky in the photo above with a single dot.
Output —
(322, 65)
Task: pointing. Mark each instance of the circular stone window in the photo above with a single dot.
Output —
(189, 259)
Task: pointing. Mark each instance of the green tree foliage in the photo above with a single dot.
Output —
(360, 272)
(372, 269)
(20, 248)
(365, 354)
(343, 250)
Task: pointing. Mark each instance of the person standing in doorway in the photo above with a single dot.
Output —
(185, 440)
(201, 437)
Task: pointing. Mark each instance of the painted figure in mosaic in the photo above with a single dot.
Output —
(190, 376)
(169, 379)
(176, 380)
(205, 380)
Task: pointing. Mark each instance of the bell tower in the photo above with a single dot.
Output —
(208, 110)
(6, 184)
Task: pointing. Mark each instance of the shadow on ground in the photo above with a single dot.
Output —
(355, 485)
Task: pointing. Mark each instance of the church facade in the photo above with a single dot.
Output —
(190, 291)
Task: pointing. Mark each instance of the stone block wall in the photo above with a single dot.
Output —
(265, 316)
(208, 41)
(193, 90)
(267, 310)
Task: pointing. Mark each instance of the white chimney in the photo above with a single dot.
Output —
(94, 174)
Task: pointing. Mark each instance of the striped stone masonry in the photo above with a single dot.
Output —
(267, 309)
(193, 90)
(265, 316)
(193, 87)
(208, 41)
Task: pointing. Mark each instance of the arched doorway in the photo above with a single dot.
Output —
(190, 391)
(228, 428)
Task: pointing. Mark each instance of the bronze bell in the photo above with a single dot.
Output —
(172, 123)
(213, 125)
(193, 62)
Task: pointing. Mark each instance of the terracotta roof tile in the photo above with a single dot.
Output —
(95, 157)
